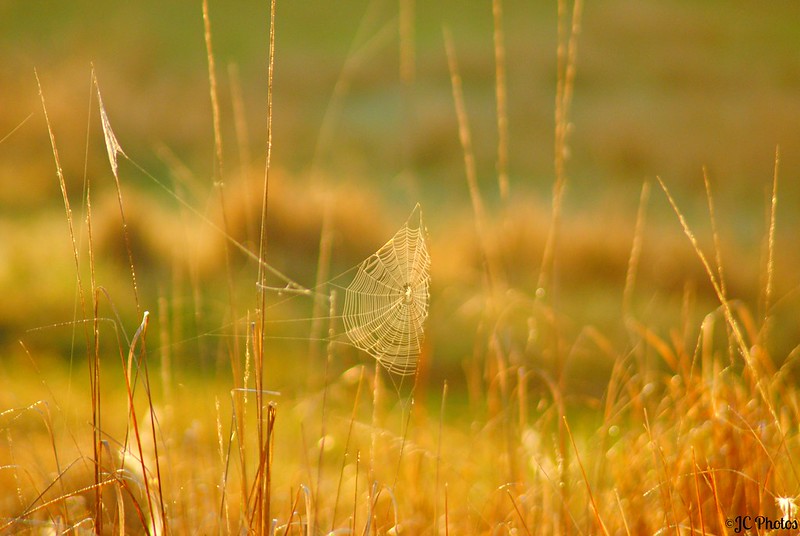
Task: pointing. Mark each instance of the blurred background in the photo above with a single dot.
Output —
(364, 123)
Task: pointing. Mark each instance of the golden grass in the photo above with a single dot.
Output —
(696, 427)
(674, 446)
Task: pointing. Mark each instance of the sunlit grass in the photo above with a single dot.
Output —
(611, 364)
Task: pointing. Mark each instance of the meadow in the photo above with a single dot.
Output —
(607, 196)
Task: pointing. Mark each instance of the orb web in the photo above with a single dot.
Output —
(386, 305)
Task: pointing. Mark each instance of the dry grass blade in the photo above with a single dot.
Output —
(240, 122)
(323, 269)
(567, 53)
(439, 461)
(373, 449)
(622, 512)
(140, 335)
(55, 501)
(263, 477)
(62, 183)
(770, 268)
(596, 511)
(695, 471)
(712, 278)
(76, 256)
(347, 447)
(501, 98)
(519, 513)
(220, 184)
(636, 250)
(212, 83)
(323, 432)
(715, 233)
(465, 137)
(262, 242)
(464, 134)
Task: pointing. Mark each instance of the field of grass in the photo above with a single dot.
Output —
(608, 196)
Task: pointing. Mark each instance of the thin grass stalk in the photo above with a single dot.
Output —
(406, 427)
(695, 471)
(219, 179)
(212, 86)
(89, 346)
(153, 420)
(502, 375)
(30, 510)
(140, 334)
(323, 431)
(94, 360)
(519, 513)
(224, 459)
(403, 442)
(726, 307)
(94, 365)
(266, 488)
(465, 138)
(770, 267)
(501, 98)
(719, 508)
(260, 494)
(240, 407)
(601, 525)
(323, 270)
(566, 55)
(373, 451)
(355, 493)
(235, 427)
(48, 422)
(106, 451)
(715, 233)
(114, 150)
(522, 399)
(256, 513)
(439, 461)
(291, 512)
(262, 245)
(446, 511)
(165, 344)
(636, 250)
(47, 419)
(622, 512)
(347, 447)
(263, 514)
(718, 253)
(240, 128)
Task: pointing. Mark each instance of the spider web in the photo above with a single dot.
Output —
(386, 305)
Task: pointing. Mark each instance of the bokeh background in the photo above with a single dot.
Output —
(662, 89)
